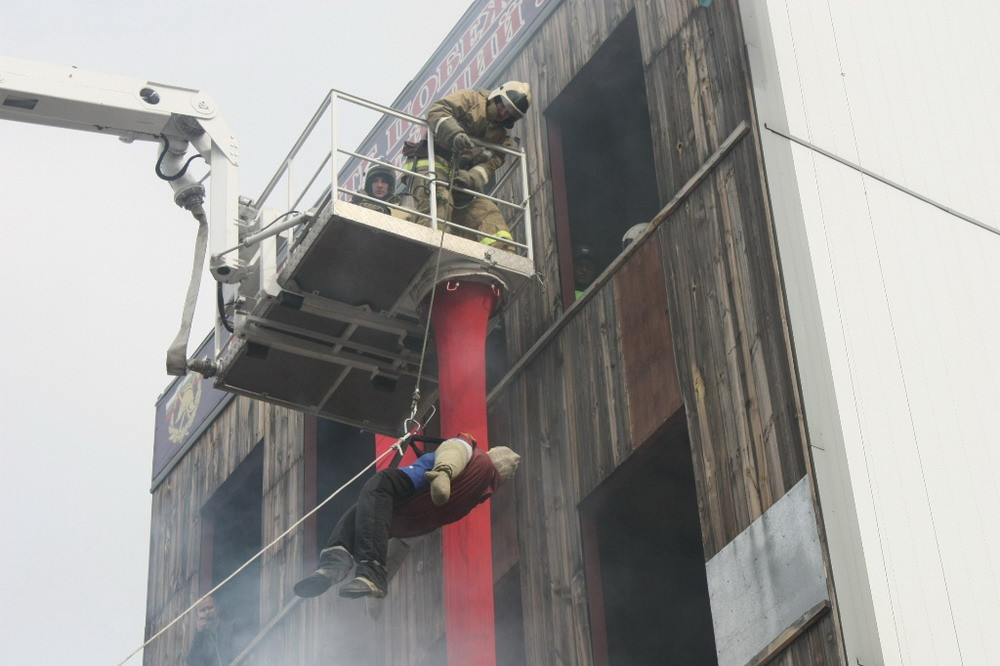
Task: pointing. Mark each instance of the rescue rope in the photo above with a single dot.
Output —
(414, 402)
(397, 446)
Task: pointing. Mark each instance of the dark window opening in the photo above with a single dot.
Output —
(600, 144)
(231, 535)
(644, 560)
(341, 452)
(496, 356)
(509, 619)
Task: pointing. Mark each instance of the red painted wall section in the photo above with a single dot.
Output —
(459, 317)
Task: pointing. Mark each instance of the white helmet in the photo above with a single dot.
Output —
(633, 233)
(515, 96)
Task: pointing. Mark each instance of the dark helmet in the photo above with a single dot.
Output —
(584, 252)
(379, 171)
(515, 96)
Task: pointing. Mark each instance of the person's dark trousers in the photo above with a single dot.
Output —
(364, 529)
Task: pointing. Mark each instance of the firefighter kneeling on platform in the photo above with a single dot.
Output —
(441, 487)
(486, 115)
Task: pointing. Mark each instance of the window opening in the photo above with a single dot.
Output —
(601, 154)
(341, 452)
(644, 560)
(509, 619)
(231, 535)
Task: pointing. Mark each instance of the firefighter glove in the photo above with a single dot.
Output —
(461, 142)
(450, 134)
(473, 179)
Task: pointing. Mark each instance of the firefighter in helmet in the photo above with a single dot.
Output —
(380, 183)
(487, 115)
(585, 268)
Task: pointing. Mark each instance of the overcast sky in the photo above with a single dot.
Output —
(95, 262)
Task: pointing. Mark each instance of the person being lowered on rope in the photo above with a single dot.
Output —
(441, 487)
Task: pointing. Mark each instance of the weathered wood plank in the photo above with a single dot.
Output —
(789, 635)
(817, 645)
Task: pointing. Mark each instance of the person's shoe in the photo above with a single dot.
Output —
(334, 565)
(313, 585)
(361, 587)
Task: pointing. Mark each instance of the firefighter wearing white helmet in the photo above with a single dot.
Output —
(509, 103)
(487, 115)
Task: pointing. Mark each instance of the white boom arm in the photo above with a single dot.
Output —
(59, 96)
(131, 109)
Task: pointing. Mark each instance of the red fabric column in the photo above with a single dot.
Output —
(459, 319)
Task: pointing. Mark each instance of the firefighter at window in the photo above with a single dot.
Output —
(585, 268)
(441, 487)
(452, 120)
(380, 183)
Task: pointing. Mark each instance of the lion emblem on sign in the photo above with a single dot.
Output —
(183, 406)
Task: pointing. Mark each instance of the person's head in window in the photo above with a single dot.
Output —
(584, 268)
(208, 614)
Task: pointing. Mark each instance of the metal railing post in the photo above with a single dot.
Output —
(333, 99)
(432, 179)
(432, 170)
(527, 207)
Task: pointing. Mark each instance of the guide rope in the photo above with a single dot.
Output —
(397, 447)
(415, 400)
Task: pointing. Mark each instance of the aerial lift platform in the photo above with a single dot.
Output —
(321, 310)
(331, 321)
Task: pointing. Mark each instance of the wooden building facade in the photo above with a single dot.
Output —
(659, 416)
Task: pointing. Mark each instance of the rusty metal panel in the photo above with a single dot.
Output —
(647, 346)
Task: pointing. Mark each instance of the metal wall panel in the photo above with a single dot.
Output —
(767, 578)
(893, 303)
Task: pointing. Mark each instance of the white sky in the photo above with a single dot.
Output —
(95, 260)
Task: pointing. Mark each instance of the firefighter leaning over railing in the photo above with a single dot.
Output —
(460, 163)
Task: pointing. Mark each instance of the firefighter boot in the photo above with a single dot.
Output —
(370, 581)
(334, 565)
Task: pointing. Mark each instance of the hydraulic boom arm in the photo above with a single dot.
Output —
(134, 109)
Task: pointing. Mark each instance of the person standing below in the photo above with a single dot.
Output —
(441, 487)
(216, 642)
(452, 121)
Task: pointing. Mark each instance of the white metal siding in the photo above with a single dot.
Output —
(894, 304)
